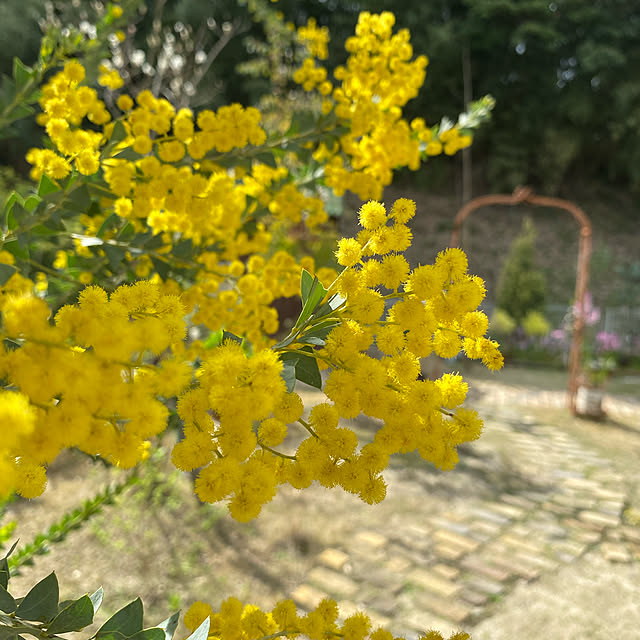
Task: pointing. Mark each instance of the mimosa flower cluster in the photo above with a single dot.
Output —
(239, 416)
(379, 78)
(82, 382)
(238, 621)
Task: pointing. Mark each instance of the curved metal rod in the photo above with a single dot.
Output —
(524, 195)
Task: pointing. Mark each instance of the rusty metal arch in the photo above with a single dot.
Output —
(525, 195)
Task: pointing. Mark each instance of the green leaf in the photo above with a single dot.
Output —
(4, 566)
(109, 222)
(149, 634)
(74, 617)
(118, 134)
(47, 186)
(96, 599)
(41, 603)
(288, 373)
(114, 254)
(79, 199)
(170, 625)
(22, 111)
(31, 203)
(17, 249)
(315, 295)
(14, 197)
(266, 157)
(127, 154)
(7, 603)
(214, 339)
(151, 243)
(21, 73)
(319, 334)
(6, 271)
(127, 621)
(307, 370)
(330, 305)
(184, 249)
(161, 267)
(306, 282)
(202, 632)
(7, 633)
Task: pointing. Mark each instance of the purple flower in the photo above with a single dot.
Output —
(608, 341)
(590, 314)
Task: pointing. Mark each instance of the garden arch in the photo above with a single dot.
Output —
(525, 195)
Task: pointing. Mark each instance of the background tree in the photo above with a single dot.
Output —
(522, 288)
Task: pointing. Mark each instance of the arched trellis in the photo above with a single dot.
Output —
(525, 195)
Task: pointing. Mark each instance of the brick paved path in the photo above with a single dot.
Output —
(560, 500)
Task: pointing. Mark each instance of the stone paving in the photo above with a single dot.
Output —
(448, 571)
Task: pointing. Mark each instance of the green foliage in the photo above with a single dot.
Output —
(522, 287)
(71, 521)
(42, 615)
(502, 323)
(535, 324)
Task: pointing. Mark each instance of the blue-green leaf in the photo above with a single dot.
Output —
(96, 599)
(306, 282)
(114, 254)
(21, 73)
(289, 370)
(202, 632)
(6, 271)
(149, 634)
(74, 617)
(307, 370)
(47, 186)
(161, 267)
(315, 295)
(170, 625)
(127, 621)
(41, 603)
(7, 603)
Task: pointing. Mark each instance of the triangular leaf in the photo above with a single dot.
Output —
(149, 634)
(6, 271)
(170, 625)
(96, 599)
(316, 294)
(127, 621)
(79, 199)
(114, 254)
(307, 371)
(202, 632)
(318, 335)
(306, 282)
(288, 372)
(109, 222)
(21, 73)
(74, 617)
(7, 603)
(161, 267)
(183, 249)
(118, 134)
(330, 306)
(31, 203)
(47, 186)
(41, 603)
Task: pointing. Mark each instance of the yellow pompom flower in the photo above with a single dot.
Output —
(372, 215)
(403, 210)
(349, 252)
(31, 479)
(196, 614)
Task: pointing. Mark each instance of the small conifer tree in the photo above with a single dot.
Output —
(522, 286)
